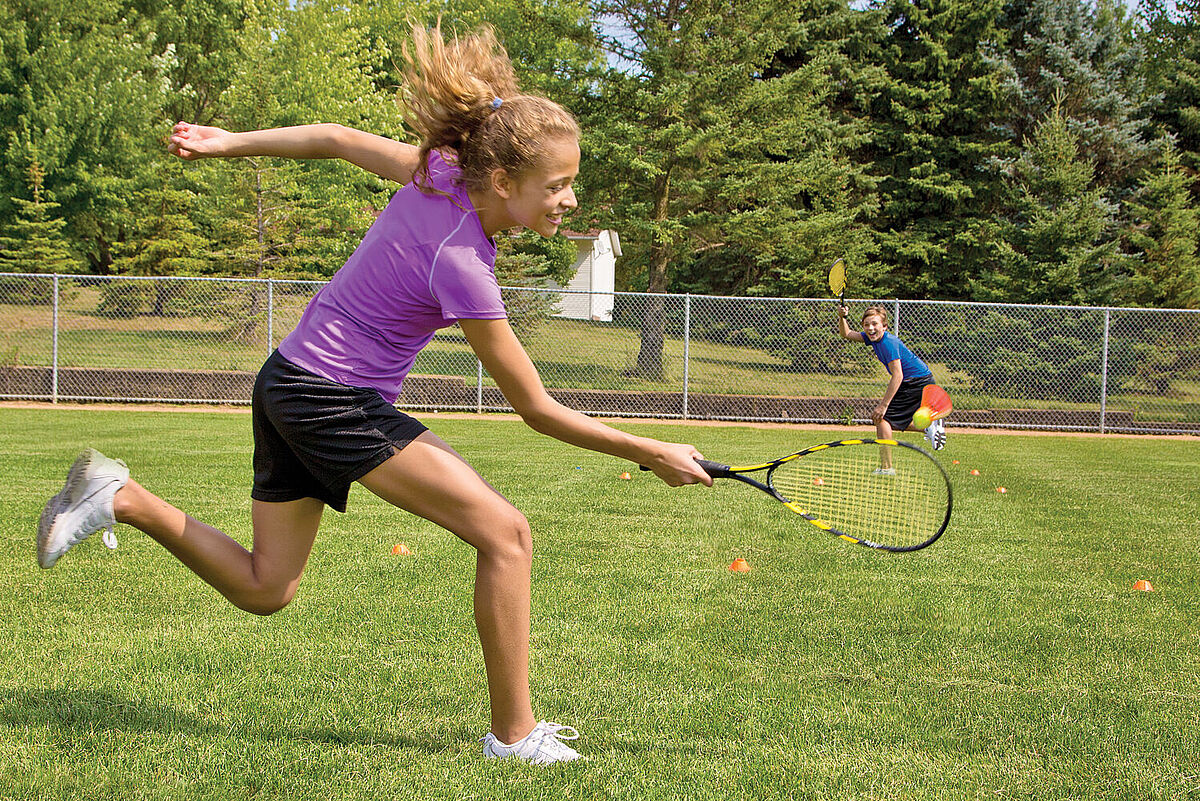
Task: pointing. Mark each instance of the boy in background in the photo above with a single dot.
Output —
(908, 377)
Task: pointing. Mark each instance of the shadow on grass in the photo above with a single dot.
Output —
(72, 711)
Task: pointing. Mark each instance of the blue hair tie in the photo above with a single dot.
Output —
(496, 102)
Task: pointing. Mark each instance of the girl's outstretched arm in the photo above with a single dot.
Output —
(503, 357)
(386, 158)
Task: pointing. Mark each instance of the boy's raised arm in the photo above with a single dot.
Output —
(844, 327)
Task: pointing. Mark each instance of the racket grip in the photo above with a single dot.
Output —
(714, 469)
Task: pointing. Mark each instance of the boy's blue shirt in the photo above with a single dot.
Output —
(889, 348)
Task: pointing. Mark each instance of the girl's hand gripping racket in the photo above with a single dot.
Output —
(878, 493)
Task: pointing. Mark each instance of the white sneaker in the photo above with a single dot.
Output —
(884, 471)
(82, 507)
(542, 746)
(936, 434)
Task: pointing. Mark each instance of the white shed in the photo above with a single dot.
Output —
(589, 295)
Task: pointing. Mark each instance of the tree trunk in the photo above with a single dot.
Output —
(650, 355)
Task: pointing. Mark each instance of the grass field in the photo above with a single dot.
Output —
(1012, 659)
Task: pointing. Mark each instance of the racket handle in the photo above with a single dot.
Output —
(714, 469)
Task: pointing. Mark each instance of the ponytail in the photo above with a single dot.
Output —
(462, 96)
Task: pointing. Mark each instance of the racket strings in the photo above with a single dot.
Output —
(851, 489)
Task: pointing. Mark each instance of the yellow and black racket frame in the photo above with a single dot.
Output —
(738, 472)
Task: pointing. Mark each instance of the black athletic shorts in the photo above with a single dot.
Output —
(313, 437)
(906, 402)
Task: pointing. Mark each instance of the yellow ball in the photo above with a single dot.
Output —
(922, 418)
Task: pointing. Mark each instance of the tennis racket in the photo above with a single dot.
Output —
(837, 280)
(878, 493)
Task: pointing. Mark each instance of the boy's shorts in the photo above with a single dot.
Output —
(313, 437)
(906, 402)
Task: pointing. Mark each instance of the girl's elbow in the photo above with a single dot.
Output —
(539, 414)
(335, 135)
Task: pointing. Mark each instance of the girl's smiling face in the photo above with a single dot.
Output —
(541, 197)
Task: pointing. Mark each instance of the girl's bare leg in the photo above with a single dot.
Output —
(429, 479)
(261, 580)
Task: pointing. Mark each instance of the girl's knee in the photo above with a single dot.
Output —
(508, 536)
(265, 600)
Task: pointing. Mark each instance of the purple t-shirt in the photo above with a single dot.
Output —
(424, 263)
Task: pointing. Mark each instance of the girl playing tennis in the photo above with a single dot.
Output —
(490, 159)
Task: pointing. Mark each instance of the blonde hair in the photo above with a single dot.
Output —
(461, 95)
(878, 311)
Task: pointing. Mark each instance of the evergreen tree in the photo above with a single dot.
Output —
(34, 243)
(1061, 246)
(1171, 39)
(161, 240)
(939, 143)
(1082, 58)
(1165, 233)
(822, 194)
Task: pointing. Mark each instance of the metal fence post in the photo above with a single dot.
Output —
(1104, 371)
(54, 355)
(687, 341)
(270, 315)
(896, 316)
(478, 387)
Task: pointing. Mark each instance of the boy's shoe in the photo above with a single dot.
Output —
(542, 746)
(82, 507)
(936, 434)
(884, 471)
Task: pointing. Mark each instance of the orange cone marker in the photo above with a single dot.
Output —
(818, 482)
(625, 477)
(740, 566)
(1143, 585)
(1001, 490)
(400, 549)
(974, 472)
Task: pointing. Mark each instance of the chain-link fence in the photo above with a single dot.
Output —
(194, 340)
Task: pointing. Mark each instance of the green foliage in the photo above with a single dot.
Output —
(720, 161)
(1060, 244)
(34, 243)
(1080, 61)
(79, 93)
(737, 148)
(1165, 230)
(804, 339)
(546, 260)
(533, 262)
(1148, 352)
(1172, 69)
(938, 142)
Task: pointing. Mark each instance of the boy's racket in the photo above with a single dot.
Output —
(837, 280)
(841, 487)
(935, 400)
